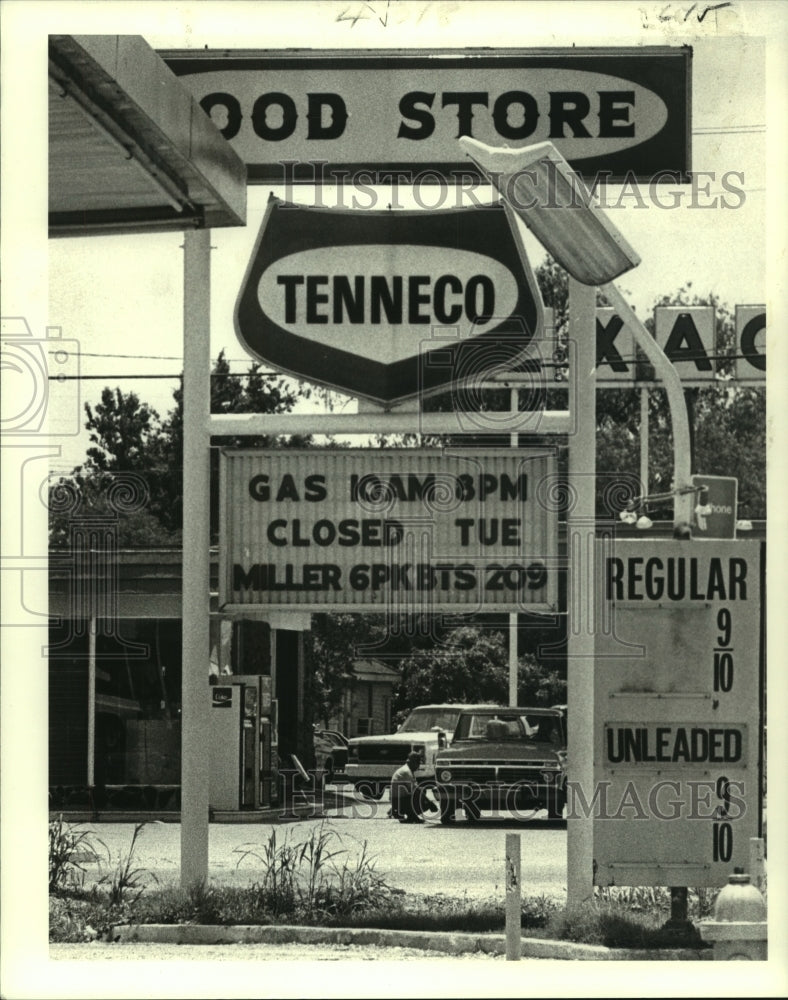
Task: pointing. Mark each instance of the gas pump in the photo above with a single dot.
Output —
(244, 771)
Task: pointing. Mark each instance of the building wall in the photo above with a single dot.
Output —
(370, 700)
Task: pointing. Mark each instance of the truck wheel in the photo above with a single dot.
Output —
(472, 812)
(555, 806)
(448, 810)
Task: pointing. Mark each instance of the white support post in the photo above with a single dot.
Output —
(195, 714)
(513, 658)
(514, 407)
(92, 627)
(644, 439)
(581, 537)
(513, 911)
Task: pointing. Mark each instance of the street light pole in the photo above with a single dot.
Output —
(538, 185)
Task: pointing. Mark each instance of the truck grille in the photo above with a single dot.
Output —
(513, 775)
(483, 775)
(469, 775)
(383, 753)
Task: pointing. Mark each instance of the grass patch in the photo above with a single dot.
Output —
(613, 926)
(319, 882)
(610, 922)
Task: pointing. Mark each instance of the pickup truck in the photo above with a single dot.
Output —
(372, 760)
(505, 758)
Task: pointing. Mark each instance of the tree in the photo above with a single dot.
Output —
(128, 436)
(254, 392)
(333, 644)
(123, 477)
(729, 421)
(471, 665)
(121, 429)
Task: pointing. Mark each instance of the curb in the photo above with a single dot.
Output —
(447, 943)
(273, 815)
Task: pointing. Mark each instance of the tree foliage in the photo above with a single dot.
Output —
(729, 421)
(127, 436)
(467, 663)
(471, 664)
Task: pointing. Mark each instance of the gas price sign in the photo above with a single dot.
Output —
(677, 723)
(393, 530)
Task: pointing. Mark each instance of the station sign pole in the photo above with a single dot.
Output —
(195, 711)
(581, 539)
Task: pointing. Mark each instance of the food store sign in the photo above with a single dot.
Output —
(375, 117)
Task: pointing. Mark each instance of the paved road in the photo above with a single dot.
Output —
(463, 859)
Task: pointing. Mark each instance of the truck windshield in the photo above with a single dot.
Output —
(421, 720)
(511, 726)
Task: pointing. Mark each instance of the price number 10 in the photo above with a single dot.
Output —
(723, 653)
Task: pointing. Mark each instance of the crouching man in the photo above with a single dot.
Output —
(408, 801)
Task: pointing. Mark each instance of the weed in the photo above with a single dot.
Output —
(317, 853)
(308, 880)
(700, 902)
(277, 890)
(355, 887)
(537, 911)
(623, 920)
(637, 898)
(68, 848)
(126, 882)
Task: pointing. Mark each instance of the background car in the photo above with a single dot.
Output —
(373, 759)
(330, 754)
(512, 758)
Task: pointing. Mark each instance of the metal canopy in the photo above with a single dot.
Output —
(129, 147)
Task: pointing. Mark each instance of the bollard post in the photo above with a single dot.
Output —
(758, 863)
(513, 898)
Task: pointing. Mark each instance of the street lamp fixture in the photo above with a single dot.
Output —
(538, 185)
(557, 207)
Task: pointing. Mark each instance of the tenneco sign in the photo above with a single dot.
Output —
(394, 530)
(679, 654)
(388, 305)
(323, 116)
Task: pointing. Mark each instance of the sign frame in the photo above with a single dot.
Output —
(664, 71)
(439, 463)
(686, 712)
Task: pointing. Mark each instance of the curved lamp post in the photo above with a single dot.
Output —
(538, 184)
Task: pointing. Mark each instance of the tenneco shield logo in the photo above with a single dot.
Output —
(388, 305)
